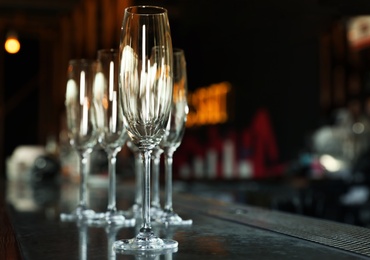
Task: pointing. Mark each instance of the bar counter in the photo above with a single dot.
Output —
(220, 230)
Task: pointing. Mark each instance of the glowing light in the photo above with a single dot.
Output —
(209, 105)
(12, 44)
(330, 163)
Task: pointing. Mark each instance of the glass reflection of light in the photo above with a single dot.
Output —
(102, 104)
(151, 255)
(99, 83)
(113, 123)
(82, 87)
(85, 116)
(71, 90)
(111, 231)
(111, 79)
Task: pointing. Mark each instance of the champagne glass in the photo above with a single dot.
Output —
(136, 207)
(156, 208)
(81, 123)
(113, 134)
(174, 134)
(155, 203)
(146, 86)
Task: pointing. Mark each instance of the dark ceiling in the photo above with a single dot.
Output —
(345, 7)
(42, 7)
(333, 8)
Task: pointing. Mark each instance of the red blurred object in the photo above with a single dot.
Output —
(253, 151)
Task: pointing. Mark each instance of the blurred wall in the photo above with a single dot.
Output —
(270, 52)
(32, 82)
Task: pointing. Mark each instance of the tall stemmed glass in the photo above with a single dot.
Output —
(136, 207)
(81, 123)
(146, 86)
(156, 208)
(174, 134)
(113, 134)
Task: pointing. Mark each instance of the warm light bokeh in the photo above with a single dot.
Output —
(12, 45)
(209, 105)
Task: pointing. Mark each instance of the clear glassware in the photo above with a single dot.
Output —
(81, 123)
(113, 134)
(146, 87)
(174, 133)
(83, 239)
(136, 207)
(156, 209)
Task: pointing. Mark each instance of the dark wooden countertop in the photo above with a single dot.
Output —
(8, 244)
(220, 230)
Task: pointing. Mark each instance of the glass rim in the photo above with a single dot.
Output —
(152, 10)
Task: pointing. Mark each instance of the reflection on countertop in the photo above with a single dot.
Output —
(220, 230)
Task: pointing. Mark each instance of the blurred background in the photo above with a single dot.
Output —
(278, 94)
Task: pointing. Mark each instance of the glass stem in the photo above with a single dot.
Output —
(111, 238)
(112, 159)
(168, 157)
(146, 191)
(138, 179)
(155, 185)
(83, 242)
(84, 170)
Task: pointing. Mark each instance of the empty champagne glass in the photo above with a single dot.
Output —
(146, 87)
(174, 133)
(113, 134)
(156, 209)
(81, 123)
(136, 207)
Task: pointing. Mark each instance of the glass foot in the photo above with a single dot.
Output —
(78, 214)
(134, 211)
(173, 219)
(144, 241)
(150, 255)
(155, 212)
(112, 218)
